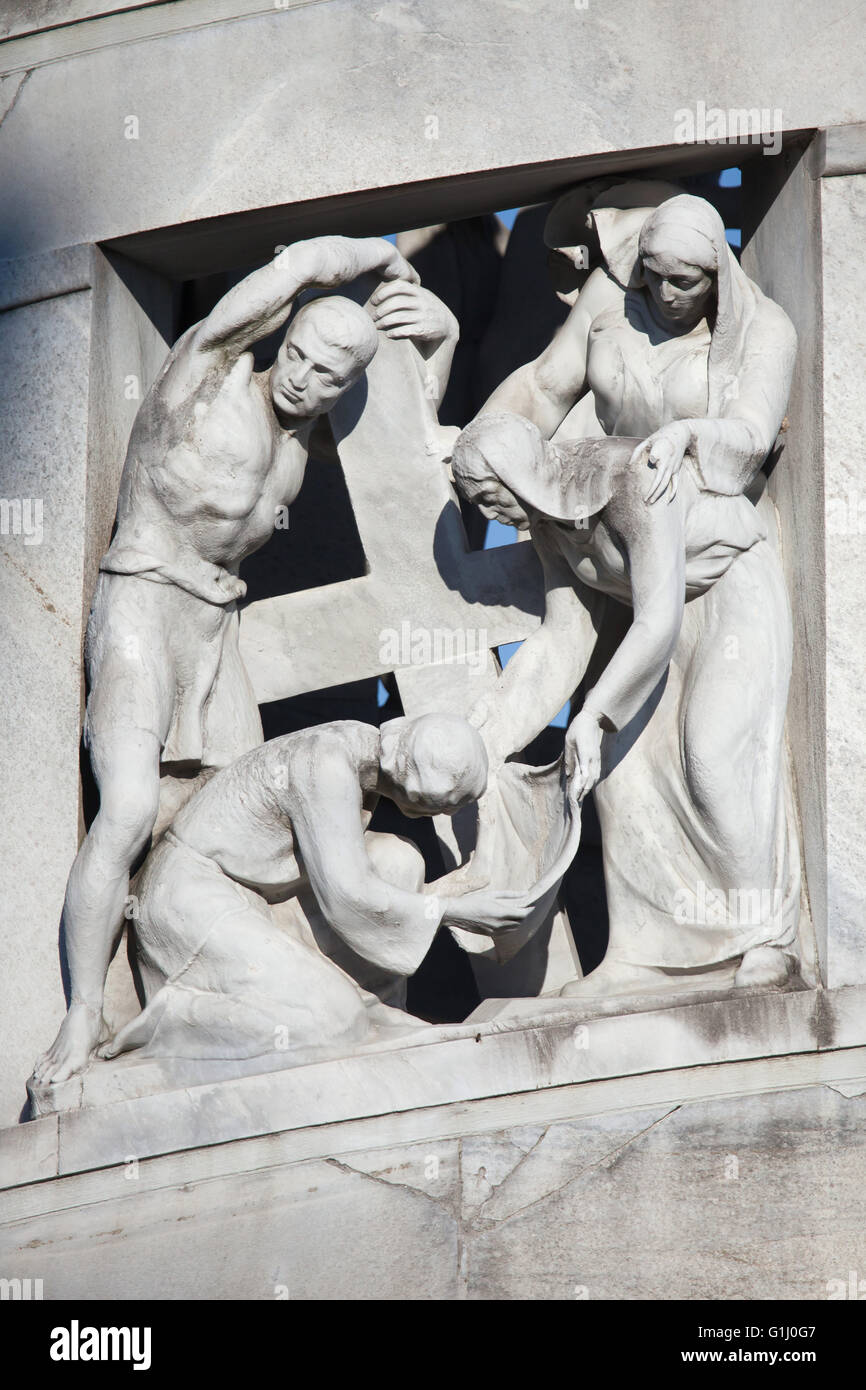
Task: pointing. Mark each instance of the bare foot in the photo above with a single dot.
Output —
(386, 1022)
(138, 1031)
(71, 1050)
(612, 978)
(763, 965)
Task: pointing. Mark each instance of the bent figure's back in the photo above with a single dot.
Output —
(243, 817)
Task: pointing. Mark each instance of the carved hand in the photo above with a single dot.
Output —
(664, 451)
(486, 911)
(405, 310)
(583, 753)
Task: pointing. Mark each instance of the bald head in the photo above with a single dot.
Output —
(434, 764)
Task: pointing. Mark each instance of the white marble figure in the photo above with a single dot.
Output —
(222, 978)
(216, 450)
(681, 731)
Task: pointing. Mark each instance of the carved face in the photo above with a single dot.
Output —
(310, 373)
(494, 500)
(498, 504)
(417, 796)
(681, 293)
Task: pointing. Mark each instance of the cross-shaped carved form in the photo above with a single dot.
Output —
(421, 571)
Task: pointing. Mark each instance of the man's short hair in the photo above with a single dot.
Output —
(344, 324)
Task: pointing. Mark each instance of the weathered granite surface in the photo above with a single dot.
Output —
(43, 434)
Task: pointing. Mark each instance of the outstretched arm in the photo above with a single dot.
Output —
(545, 390)
(546, 669)
(259, 304)
(654, 542)
(387, 925)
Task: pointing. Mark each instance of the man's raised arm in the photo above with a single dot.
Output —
(259, 304)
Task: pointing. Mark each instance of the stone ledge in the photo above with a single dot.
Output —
(136, 1107)
(840, 150)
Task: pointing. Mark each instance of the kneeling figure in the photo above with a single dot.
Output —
(222, 978)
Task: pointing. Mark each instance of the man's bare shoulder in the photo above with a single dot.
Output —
(630, 514)
(190, 363)
(279, 774)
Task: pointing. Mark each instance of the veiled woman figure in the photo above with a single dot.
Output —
(682, 726)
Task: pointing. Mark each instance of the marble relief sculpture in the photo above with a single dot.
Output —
(632, 452)
(215, 450)
(671, 348)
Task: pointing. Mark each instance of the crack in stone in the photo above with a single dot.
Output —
(851, 1090)
(494, 1187)
(220, 163)
(477, 1221)
(43, 597)
(605, 1158)
(462, 1280)
(443, 1206)
(13, 103)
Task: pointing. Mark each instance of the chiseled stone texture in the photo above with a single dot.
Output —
(372, 1227)
(757, 1196)
(148, 1108)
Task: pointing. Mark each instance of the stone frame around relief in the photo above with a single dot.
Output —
(219, 245)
